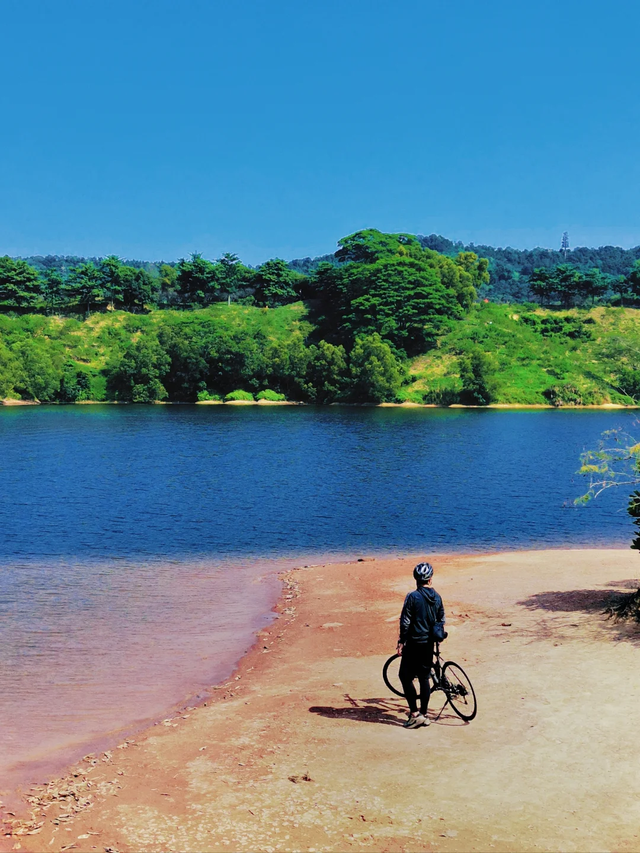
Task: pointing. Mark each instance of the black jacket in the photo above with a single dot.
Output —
(421, 609)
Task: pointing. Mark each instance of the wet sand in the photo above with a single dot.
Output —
(304, 749)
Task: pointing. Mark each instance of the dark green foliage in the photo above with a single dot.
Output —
(565, 394)
(38, 377)
(628, 382)
(275, 283)
(376, 373)
(510, 268)
(327, 373)
(9, 371)
(136, 377)
(560, 324)
(201, 282)
(567, 285)
(370, 245)
(86, 288)
(196, 280)
(476, 370)
(19, 284)
(400, 298)
(389, 285)
(75, 384)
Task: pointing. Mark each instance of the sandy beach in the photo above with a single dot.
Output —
(304, 749)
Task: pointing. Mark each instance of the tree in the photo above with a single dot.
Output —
(400, 298)
(275, 283)
(136, 377)
(52, 286)
(20, 284)
(327, 372)
(197, 280)
(475, 373)
(37, 377)
(369, 245)
(229, 274)
(86, 287)
(376, 374)
(632, 280)
(616, 462)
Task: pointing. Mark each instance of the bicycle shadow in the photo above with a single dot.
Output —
(386, 712)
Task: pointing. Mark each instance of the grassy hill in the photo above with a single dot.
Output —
(577, 357)
(529, 355)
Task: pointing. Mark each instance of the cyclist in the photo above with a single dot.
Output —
(422, 609)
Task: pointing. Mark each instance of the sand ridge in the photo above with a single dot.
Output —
(304, 749)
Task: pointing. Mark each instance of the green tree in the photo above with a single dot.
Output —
(197, 280)
(327, 376)
(401, 298)
(230, 274)
(632, 280)
(476, 371)
(136, 377)
(9, 372)
(38, 378)
(285, 365)
(20, 285)
(53, 290)
(370, 245)
(376, 373)
(275, 283)
(86, 287)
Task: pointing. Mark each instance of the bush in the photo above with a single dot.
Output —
(568, 394)
(206, 396)
(476, 371)
(271, 396)
(238, 395)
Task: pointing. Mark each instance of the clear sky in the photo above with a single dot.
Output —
(153, 128)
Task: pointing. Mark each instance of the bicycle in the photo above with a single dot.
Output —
(449, 677)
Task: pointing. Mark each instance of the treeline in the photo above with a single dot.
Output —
(387, 300)
(510, 270)
(111, 284)
(70, 285)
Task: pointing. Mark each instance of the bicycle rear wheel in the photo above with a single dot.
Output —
(390, 673)
(459, 690)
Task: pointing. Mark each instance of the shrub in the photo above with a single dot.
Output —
(205, 396)
(568, 394)
(477, 383)
(271, 396)
(238, 395)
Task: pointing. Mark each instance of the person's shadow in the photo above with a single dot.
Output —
(387, 712)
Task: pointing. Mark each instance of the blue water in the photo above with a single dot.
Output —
(138, 544)
(186, 481)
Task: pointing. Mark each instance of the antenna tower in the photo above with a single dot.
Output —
(565, 244)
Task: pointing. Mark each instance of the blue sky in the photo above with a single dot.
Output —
(153, 128)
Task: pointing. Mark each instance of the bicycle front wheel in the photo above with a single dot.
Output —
(391, 675)
(459, 690)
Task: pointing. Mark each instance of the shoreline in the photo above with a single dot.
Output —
(405, 405)
(312, 593)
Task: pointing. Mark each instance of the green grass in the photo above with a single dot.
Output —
(527, 357)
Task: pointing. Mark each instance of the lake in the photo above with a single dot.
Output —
(139, 545)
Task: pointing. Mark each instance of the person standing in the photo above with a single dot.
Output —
(421, 610)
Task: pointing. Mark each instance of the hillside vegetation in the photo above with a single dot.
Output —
(511, 354)
(390, 320)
